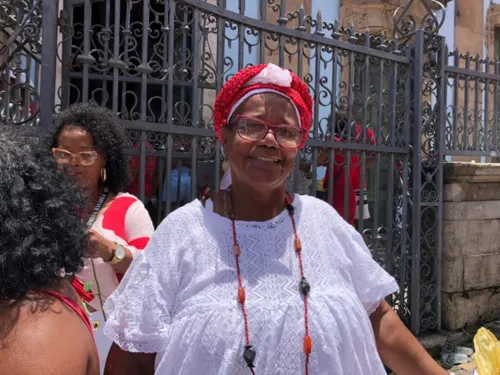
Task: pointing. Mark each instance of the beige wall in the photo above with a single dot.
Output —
(469, 26)
(471, 195)
(377, 15)
(471, 251)
(59, 65)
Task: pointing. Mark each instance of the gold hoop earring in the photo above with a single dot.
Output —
(103, 175)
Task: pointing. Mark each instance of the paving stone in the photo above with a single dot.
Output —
(464, 369)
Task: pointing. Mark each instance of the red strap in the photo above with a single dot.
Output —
(139, 243)
(74, 306)
(80, 289)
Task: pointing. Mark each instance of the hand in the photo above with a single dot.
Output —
(100, 247)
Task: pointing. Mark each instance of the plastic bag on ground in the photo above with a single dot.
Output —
(487, 353)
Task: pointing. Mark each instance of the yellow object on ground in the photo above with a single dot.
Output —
(487, 355)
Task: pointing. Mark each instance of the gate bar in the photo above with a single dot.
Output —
(439, 178)
(416, 183)
(48, 77)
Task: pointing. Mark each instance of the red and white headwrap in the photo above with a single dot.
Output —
(259, 79)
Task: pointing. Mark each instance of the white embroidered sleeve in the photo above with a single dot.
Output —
(139, 310)
(371, 282)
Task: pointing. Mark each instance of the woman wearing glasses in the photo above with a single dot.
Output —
(259, 280)
(89, 144)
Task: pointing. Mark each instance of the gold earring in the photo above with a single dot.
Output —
(103, 175)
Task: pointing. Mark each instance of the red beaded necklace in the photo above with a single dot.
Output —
(249, 353)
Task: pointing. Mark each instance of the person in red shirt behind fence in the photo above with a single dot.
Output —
(351, 212)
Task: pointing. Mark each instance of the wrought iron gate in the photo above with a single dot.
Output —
(378, 112)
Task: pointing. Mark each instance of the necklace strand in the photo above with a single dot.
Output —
(94, 271)
(249, 353)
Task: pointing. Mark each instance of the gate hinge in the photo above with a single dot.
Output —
(63, 19)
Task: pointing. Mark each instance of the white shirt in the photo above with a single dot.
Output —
(179, 297)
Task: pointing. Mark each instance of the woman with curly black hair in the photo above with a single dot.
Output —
(41, 238)
(88, 142)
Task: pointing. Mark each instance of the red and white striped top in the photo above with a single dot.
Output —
(127, 222)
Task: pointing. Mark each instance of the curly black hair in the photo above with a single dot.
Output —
(109, 137)
(41, 233)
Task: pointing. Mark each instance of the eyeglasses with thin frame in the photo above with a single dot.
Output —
(84, 157)
(255, 129)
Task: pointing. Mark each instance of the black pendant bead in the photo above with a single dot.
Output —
(290, 208)
(249, 356)
(304, 286)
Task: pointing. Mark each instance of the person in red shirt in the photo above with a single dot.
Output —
(351, 213)
(150, 182)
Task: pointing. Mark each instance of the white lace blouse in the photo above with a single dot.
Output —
(179, 297)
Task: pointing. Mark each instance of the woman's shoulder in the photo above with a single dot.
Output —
(122, 197)
(320, 215)
(186, 215)
(181, 221)
(122, 202)
(312, 205)
(127, 216)
(47, 320)
(179, 230)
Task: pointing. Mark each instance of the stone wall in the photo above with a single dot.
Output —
(471, 244)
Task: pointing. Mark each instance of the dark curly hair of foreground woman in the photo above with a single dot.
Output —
(40, 230)
(109, 137)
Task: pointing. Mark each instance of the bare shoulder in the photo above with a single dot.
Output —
(41, 335)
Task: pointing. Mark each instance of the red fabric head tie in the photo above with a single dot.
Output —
(263, 78)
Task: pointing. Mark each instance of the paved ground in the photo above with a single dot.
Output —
(437, 340)
(468, 368)
(465, 369)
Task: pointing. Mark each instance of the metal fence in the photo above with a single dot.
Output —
(472, 113)
(20, 60)
(382, 112)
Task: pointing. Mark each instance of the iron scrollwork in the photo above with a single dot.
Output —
(406, 23)
(430, 165)
(363, 90)
(159, 67)
(20, 50)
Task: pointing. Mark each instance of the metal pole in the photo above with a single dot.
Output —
(439, 176)
(48, 78)
(416, 181)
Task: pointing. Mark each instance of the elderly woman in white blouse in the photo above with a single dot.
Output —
(259, 280)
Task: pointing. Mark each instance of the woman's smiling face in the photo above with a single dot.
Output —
(261, 163)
